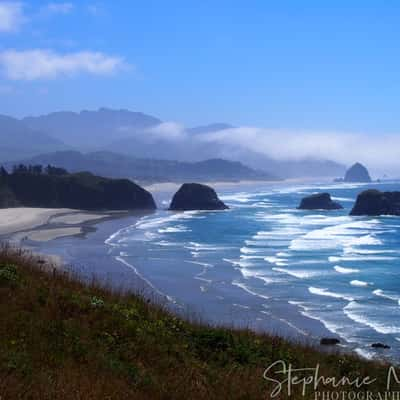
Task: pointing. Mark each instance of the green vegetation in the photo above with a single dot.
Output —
(52, 187)
(64, 339)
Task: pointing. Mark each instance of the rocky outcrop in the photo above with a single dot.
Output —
(33, 186)
(380, 346)
(375, 202)
(194, 196)
(329, 341)
(319, 201)
(357, 173)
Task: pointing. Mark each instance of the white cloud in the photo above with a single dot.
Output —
(11, 16)
(380, 152)
(36, 64)
(168, 131)
(59, 8)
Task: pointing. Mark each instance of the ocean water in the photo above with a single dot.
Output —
(267, 265)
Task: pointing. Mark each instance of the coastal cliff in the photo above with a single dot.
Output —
(33, 186)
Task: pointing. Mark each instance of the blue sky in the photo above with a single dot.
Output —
(275, 64)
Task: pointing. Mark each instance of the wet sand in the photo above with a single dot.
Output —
(43, 224)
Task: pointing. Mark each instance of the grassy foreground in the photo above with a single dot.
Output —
(63, 339)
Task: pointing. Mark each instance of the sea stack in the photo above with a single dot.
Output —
(329, 341)
(374, 202)
(319, 201)
(194, 196)
(357, 173)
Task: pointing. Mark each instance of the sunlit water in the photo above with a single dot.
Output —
(276, 262)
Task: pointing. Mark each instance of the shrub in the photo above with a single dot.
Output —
(9, 275)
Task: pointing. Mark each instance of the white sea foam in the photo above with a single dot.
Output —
(343, 270)
(249, 272)
(344, 199)
(364, 353)
(362, 315)
(237, 197)
(241, 306)
(327, 293)
(113, 240)
(324, 220)
(335, 259)
(253, 257)
(295, 303)
(200, 278)
(153, 222)
(257, 242)
(238, 263)
(121, 260)
(200, 275)
(279, 233)
(346, 235)
(368, 240)
(288, 323)
(356, 251)
(174, 229)
(300, 274)
(356, 282)
(276, 260)
(267, 280)
(203, 264)
(165, 243)
(198, 247)
(387, 295)
(246, 289)
(250, 250)
(309, 312)
(148, 223)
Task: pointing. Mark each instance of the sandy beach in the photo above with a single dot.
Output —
(43, 224)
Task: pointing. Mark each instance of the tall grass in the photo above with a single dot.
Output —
(61, 338)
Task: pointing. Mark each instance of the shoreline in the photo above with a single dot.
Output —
(24, 224)
(90, 255)
(78, 257)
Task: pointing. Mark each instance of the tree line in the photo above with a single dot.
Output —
(34, 170)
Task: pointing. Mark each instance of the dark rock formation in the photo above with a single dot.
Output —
(357, 173)
(33, 186)
(319, 201)
(375, 202)
(194, 196)
(329, 341)
(380, 346)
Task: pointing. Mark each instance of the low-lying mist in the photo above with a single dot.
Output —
(379, 152)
